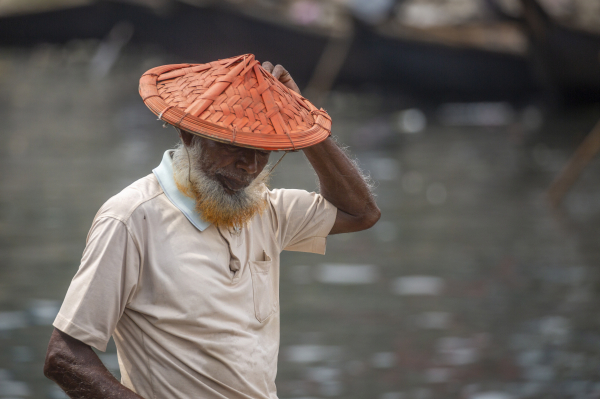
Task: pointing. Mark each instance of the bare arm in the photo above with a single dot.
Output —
(75, 367)
(341, 183)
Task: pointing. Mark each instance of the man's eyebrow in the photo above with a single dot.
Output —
(228, 146)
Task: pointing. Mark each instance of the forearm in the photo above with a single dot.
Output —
(91, 383)
(342, 184)
(80, 373)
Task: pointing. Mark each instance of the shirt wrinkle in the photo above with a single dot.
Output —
(82, 328)
(133, 238)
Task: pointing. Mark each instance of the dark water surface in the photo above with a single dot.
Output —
(470, 286)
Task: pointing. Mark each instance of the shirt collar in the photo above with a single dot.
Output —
(164, 175)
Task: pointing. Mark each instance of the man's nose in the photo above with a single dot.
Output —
(248, 161)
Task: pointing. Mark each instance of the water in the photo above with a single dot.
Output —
(470, 286)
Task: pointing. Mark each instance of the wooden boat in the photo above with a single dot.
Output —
(564, 61)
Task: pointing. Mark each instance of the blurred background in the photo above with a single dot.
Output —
(476, 118)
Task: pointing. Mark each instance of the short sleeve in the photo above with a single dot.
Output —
(103, 285)
(303, 220)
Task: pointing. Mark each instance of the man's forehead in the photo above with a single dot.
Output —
(208, 143)
(228, 146)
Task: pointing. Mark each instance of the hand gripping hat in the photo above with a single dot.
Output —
(234, 101)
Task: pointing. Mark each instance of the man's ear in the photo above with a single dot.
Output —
(186, 137)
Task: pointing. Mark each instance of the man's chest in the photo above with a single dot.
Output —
(209, 279)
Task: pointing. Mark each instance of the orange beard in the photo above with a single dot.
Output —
(213, 203)
(213, 211)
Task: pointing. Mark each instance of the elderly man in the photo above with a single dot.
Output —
(182, 267)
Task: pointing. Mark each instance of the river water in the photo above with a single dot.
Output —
(470, 286)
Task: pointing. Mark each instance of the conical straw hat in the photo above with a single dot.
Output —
(234, 101)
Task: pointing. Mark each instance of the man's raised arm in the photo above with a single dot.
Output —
(75, 367)
(341, 182)
(344, 186)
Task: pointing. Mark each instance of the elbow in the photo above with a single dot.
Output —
(368, 219)
(50, 364)
(64, 357)
(348, 223)
(48, 369)
(57, 360)
(372, 217)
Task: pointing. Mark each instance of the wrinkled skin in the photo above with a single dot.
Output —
(234, 167)
(75, 367)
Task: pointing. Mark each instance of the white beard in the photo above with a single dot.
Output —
(213, 202)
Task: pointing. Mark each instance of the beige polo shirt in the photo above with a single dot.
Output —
(193, 309)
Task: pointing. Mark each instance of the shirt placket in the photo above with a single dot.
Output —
(236, 254)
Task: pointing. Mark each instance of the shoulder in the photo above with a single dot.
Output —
(296, 204)
(122, 205)
(286, 197)
(279, 194)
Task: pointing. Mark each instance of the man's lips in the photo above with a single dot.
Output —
(231, 183)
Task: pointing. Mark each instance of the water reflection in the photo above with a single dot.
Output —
(469, 287)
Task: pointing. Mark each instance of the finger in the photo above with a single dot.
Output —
(278, 71)
(268, 66)
(284, 77)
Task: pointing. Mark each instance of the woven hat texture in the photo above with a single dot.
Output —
(234, 101)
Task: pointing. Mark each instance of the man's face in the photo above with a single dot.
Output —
(233, 167)
(225, 181)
